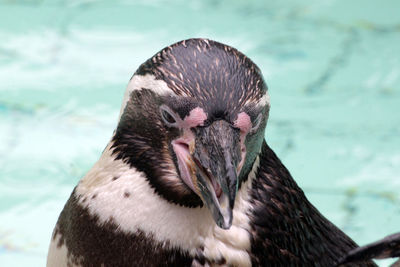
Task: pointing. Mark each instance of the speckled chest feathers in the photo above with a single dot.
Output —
(187, 178)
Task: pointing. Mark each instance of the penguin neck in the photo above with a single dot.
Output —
(281, 189)
(115, 191)
(288, 218)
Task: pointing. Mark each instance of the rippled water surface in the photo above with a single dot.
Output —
(333, 70)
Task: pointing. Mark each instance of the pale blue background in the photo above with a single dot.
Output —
(333, 69)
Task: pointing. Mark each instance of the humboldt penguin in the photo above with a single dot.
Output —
(187, 178)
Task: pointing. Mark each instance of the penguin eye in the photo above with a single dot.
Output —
(256, 124)
(167, 116)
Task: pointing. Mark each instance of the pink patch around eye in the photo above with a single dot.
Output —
(243, 122)
(196, 117)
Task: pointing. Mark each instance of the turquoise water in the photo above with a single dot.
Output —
(333, 69)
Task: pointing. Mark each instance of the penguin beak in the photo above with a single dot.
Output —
(216, 156)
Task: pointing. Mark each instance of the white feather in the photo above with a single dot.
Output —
(186, 228)
(57, 256)
(265, 100)
(148, 81)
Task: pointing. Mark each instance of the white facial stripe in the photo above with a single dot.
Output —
(187, 228)
(264, 100)
(57, 256)
(147, 81)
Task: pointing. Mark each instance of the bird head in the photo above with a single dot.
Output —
(193, 122)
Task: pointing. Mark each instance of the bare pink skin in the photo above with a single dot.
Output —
(243, 122)
(181, 148)
(184, 145)
(196, 117)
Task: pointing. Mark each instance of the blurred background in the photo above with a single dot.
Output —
(332, 67)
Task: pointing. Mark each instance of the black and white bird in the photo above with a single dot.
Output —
(188, 179)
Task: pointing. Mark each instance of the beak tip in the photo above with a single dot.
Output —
(225, 219)
(225, 224)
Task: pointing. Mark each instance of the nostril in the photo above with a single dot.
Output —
(218, 190)
(183, 144)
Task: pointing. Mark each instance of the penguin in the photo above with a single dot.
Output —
(188, 179)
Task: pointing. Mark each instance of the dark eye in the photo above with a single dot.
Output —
(256, 123)
(168, 116)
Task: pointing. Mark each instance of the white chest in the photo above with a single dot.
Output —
(133, 205)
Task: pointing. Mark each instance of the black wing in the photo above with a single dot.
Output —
(286, 229)
(387, 247)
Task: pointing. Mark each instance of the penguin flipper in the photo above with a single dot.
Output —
(388, 247)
